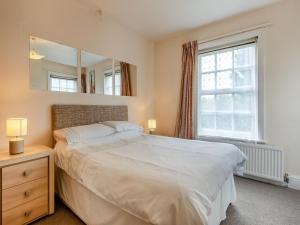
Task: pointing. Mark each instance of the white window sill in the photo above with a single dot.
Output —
(229, 140)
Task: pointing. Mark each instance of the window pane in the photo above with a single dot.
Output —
(207, 121)
(208, 103)
(243, 123)
(108, 85)
(244, 56)
(208, 63)
(117, 79)
(224, 102)
(117, 84)
(208, 81)
(224, 60)
(108, 80)
(224, 80)
(75, 86)
(70, 84)
(55, 82)
(243, 102)
(117, 90)
(243, 78)
(62, 83)
(224, 121)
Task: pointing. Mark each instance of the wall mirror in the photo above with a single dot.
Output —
(125, 78)
(93, 71)
(53, 66)
(61, 68)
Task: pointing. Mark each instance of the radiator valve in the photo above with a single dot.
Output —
(286, 178)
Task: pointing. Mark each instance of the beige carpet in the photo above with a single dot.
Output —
(258, 204)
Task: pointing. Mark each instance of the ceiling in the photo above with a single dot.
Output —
(89, 59)
(157, 19)
(63, 54)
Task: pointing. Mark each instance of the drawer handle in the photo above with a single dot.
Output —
(27, 213)
(25, 173)
(27, 193)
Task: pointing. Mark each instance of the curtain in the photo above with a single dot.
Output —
(184, 123)
(125, 79)
(92, 81)
(83, 83)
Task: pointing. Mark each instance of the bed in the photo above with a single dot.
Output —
(131, 178)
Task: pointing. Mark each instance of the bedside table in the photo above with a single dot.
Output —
(27, 185)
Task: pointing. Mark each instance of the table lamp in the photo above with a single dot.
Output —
(151, 125)
(16, 128)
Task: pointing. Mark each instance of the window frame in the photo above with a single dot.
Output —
(62, 76)
(228, 41)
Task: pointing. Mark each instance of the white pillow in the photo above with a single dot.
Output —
(121, 126)
(82, 133)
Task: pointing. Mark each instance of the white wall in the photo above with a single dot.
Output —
(69, 22)
(282, 78)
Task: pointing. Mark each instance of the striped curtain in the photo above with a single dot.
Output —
(184, 123)
(125, 79)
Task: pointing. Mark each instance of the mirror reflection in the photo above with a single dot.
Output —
(126, 77)
(101, 75)
(94, 69)
(53, 66)
(60, 68)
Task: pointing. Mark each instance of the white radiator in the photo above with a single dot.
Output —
(264, 161)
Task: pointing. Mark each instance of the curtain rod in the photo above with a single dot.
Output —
(235, 32)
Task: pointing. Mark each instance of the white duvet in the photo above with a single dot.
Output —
(161, 180)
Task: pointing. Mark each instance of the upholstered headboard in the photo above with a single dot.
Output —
(76, 115)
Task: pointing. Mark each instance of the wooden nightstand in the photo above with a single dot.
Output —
(27, 185)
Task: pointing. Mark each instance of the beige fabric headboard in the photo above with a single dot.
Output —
(76, 115)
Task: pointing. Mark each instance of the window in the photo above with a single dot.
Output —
(228, 92)
(108, 82)
(118, 82)
(62, 82)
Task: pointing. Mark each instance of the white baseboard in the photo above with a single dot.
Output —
(278, 183)
(294, 182)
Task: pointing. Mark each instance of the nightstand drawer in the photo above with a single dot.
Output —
(26, 212)
(23, 193)
(24, 172)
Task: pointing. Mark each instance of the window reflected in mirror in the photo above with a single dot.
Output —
(53, 66)
(112, 84)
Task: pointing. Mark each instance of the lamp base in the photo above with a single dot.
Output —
(16, 146)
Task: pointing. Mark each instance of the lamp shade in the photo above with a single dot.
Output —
(16, 127)
(152, 124)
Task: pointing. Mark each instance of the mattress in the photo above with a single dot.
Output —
(158, 180)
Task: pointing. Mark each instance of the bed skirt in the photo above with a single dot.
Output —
(93, 210)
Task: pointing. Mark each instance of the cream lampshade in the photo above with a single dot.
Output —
(16, 128)
(151, 125)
